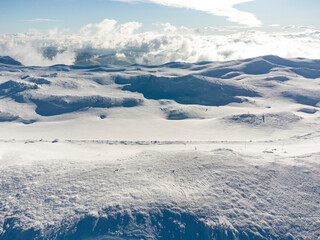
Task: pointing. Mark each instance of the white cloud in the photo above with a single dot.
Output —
(274, 25)
(27, 48)
(166, 44)
(290, 27)
(109, 34)
(224, 8)
(40, 20)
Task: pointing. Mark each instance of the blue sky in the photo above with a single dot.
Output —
(158, 31)
(19, 16)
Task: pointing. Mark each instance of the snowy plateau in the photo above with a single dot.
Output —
(208, 150)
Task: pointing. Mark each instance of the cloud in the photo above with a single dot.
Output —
(28, 48)
(110, 42)
(290, 27)
(224, 8)
(38, 20)
(108, 34)
(274, 25)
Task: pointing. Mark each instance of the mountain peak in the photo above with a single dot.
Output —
(9, 60)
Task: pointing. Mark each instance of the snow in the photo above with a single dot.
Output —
(212, 150)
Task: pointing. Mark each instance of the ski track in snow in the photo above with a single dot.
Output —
(178, 151)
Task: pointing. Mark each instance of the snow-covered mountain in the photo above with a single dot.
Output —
(209, 150)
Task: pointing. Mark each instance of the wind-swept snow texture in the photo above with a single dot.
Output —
(211, 150)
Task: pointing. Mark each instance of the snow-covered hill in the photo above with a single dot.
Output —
(210, 150)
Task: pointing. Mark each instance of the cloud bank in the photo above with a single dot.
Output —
(224, 8)
(112, 43)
